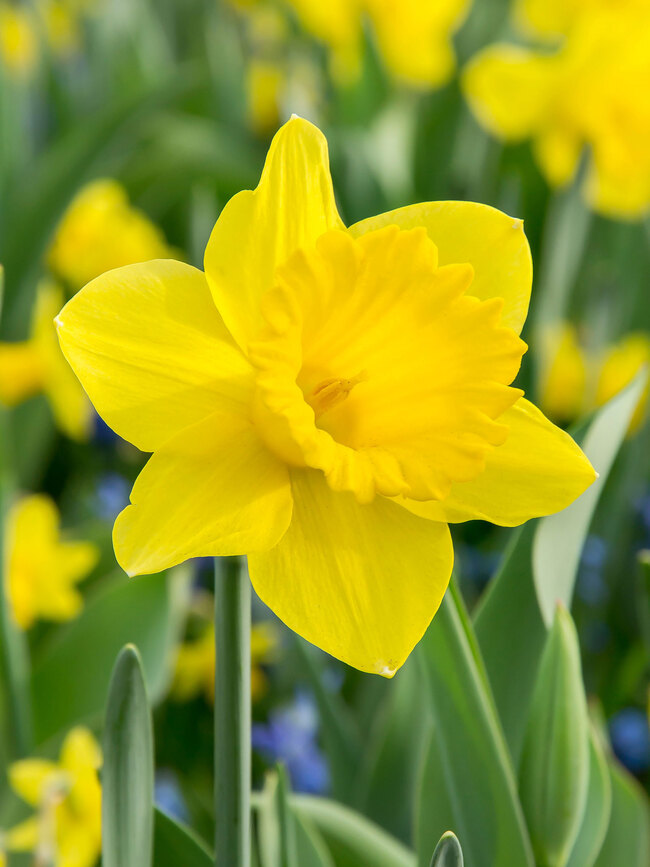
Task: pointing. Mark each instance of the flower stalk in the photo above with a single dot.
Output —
(232, 715)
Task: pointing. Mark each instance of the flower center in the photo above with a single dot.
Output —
(434, 366)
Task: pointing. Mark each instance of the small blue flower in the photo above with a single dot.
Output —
(168, 796)
(103, 435)
(476, 565)
(290, 737)
(591, 586)
(630, 736)
(112, 495)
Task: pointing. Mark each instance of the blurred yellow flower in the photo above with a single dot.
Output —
(325, 399)
(592, 92)
(18, 39)
(100, 231)
(551, 19)
(42, 570)
(62, 27)
(414, 39)
(265, 81)
(563, 374)
(66, 831)
(195, 663)
(36, 365)
(574, 381)
(618, 367)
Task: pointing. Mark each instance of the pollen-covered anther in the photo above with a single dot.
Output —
(331, 392)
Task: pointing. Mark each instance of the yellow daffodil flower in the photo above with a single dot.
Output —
(61, 26)
(42, 570)
(18, 39)
(195, 663)
(592, 92)
(618, 367)
(574, 380)
(414, 39)
(36, 365)
(99, 231)
(563, 375)
(325, 399)
(66, 832)
(550, 19)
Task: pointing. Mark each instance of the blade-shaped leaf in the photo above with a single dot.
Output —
(627, 841)
(448, 852)
(147, 612)
(474, 762)
(559, 538)
(351, 839)
(554, 773)
(128, 772)
(176, 845)
(277, 833)
(595, 818)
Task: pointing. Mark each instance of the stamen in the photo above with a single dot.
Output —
(331, 392)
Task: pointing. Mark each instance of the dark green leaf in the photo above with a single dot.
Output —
(177, 846)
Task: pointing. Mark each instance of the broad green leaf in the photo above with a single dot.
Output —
(627, 842)
(595, 818)
(511, 635)
(559, 538)
(448, 852)
(474, 761)
(351, 839)
(70, 681)
(128, 771)
(554, 772)
(177, 846)
(394, 753)
(311, 850)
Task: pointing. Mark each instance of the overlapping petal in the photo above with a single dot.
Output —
(493, 243)
(360, 581)
(539, 470)
(152, 352)
(257, 230)
(214, 489)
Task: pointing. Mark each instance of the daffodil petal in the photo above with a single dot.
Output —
(511, 89)
(151, 350)
(539, 470)
(22, 837)
(257, 230)
(493, 243)
(30, 777)
(80, 751)
(362, 582)
(214, 489)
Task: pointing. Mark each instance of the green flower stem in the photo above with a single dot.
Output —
(232, 715)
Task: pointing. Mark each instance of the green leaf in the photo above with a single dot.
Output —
(146, 611)
(311, 850)
(595, 818)
(508, 617)
(394, 754)
(644, 597)
(554, 773)
(351, 839)
(176, 845)
(627, 843)
(448, 852)
(559, 538)
(128, 772)
(432, 800)
(475, 766)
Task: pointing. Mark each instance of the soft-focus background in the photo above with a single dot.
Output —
(125, 126)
